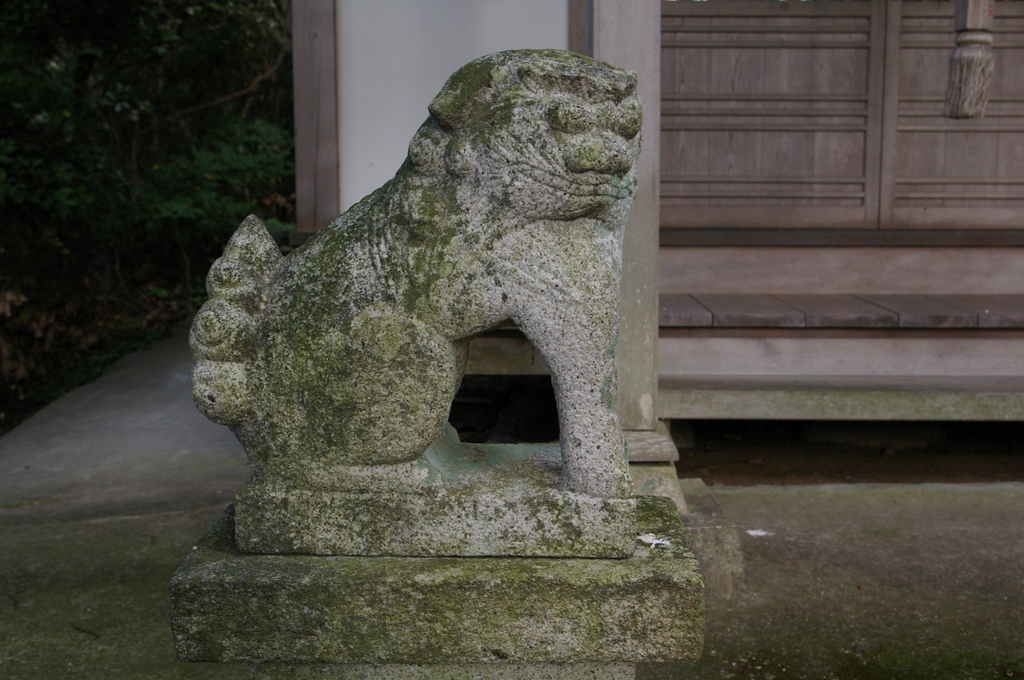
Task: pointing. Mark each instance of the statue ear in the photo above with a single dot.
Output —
(465, 90)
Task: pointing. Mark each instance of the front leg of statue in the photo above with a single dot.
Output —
(580, 352)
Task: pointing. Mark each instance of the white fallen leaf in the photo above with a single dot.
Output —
(760, 532)
(652, 540)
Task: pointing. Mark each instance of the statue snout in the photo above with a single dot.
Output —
(599, 151)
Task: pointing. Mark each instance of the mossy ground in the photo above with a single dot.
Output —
(940, 566)
(871, 582)
(89, 599)
(942, 598)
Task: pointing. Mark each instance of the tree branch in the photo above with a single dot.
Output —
(252, 86)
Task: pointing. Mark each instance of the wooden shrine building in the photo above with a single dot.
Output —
(812, 239)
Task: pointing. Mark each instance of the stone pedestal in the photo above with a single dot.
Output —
(469, 671)
(457, 499)
(306, 616)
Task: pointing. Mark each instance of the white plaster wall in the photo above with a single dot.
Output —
(394, 56)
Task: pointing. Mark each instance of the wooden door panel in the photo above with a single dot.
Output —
(779, 105)
(1011, 154)
(770, 113)
(838, 154)
(1009, 80)
(958, 174)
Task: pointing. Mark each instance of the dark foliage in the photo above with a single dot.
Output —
(134, 136)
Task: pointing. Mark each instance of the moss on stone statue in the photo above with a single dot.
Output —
(510, 208)
(460, 499)
(489, 671)
(228, 606)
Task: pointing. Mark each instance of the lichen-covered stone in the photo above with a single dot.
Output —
(509, 208)
(462, 499)
(233, 607)
(469, 671)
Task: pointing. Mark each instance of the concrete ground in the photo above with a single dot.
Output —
(131, 441)
(871, 581)
(105, 491)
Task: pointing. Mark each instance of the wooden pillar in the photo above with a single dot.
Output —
(627, 33)
(315, 68)
(972, 63)
(581, 25)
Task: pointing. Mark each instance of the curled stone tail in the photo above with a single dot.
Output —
(223, 335)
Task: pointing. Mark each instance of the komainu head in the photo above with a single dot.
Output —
(553, 135)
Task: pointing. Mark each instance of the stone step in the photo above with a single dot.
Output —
(842, 397)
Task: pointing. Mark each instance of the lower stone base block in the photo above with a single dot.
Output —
(470, 671)
(228, 606)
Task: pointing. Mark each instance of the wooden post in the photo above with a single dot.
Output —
(627, 33)
(581, 27)
(314, 56)
(890, 112)
(972, 63)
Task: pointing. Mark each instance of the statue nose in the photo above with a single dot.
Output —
(598, 151)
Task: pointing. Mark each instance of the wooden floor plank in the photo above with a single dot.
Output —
(994, 311)
(812, 310)
(922, 311)
(679, 310)
(840, 311)
(737, 311)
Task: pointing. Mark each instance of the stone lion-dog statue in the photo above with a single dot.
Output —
(336, 365)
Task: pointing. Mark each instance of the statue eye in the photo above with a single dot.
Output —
(459, 158)
(569, 117)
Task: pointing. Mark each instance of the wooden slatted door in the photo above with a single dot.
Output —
(942, 173)
(771, 113)
(829, 115)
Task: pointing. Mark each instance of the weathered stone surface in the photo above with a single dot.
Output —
(510, 208)
(715, 541)
(463, 499)
(658, 479)
(229, 606)
(469, 671)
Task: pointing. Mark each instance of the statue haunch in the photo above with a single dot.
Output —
(509, 208)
